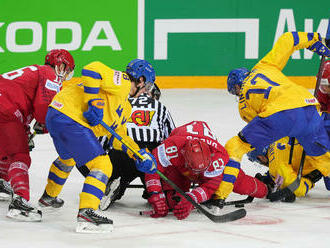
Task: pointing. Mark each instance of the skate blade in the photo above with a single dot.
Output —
(106, 199)
(87, 227)
(105, 202)
(20, 216)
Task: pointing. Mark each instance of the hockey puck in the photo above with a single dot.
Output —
(239, 205)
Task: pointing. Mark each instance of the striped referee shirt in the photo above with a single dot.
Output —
(150, 122)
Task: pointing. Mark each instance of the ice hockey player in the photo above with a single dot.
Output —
(323, 96)
(192, 154)
(73, 120)
(275, 107)
(150, 123)
(25, 94)
(281, 173)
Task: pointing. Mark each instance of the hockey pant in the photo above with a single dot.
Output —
(78, 145)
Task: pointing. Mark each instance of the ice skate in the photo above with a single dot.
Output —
(6, 191)
(91, 222)
(46, 201)
(110, 194)
(20, 209)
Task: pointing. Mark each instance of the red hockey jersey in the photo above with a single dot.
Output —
(28, 91)
(169, 157)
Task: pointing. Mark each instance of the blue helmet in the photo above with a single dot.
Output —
(253, 155)
(236, 77)
(141, 68)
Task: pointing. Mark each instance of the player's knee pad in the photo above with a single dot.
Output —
(304, 187)
(101, 163)
(62, 167)
(237, 147)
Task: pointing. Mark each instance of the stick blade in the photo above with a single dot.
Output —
(232, 216)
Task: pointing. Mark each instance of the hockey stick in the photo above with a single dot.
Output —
(235, 215)
(292, 139)
(237, 203)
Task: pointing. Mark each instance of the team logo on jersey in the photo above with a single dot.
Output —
(117, 77)
(53, 86)
(310, 101)
(57, 104)
(142, 117)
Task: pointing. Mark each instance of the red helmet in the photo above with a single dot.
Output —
(197, 156)
(325, 79)
(56, 57)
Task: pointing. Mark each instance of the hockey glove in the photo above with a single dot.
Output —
(319, 48)
(40, 128)
(183, 208)
(158, 202)
(171, 199)
(279, 194)
(148, 164)
(94, 113)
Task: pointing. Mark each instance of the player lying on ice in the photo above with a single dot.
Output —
(25, 94)
(275, 107)
(281, 173)
(73, 121)
(192, 154)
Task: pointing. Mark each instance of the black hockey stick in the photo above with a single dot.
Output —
(235, 215)
(292, 141)
(237, 203)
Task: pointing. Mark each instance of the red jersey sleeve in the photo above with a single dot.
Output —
(48, 86)
(167, 155)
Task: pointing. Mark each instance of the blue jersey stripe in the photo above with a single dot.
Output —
(91, 74)
(58, 180)
(295, 38)
(229, 178)
(91, 90)
(310, 36)
(90, 189)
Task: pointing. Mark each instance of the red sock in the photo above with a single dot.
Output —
(247, 185)
(19, 176)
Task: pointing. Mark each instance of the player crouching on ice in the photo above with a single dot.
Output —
(192, 154)
(73, 121)
(281, 173)
(275, 107)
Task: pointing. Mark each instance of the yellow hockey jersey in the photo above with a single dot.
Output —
(278, 155)
(267, 90)
(98, 81)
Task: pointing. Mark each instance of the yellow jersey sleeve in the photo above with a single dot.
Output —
(286, 45)
(96, 76)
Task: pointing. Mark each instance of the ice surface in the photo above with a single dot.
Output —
(306, 223)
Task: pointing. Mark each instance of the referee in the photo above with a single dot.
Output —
(149, 125)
